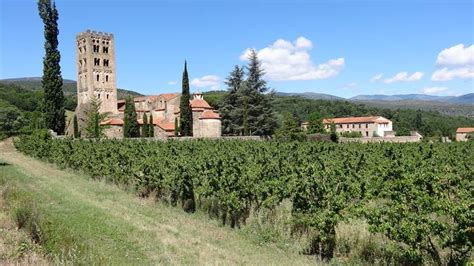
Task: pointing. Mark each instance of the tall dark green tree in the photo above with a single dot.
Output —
(52, 82)
(261, 118)
(232, 113)
(176, 127)
(76, 127)
(131, 129)
(151, 127)
(186, 114)
(145, 126)
(255, 73)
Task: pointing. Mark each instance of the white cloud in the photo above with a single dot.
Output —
(456, 56)
(284, 60)
(376, 78)
(403, 76)
(173, 82)
(209, 81)
(434, 90)
(446, 74)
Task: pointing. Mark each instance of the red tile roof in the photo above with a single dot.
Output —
(465, 130)
(143, 98)
(363, 119)
(113, 122)
(167, 126)
(169, 96)
(209, 114)
(199, 104)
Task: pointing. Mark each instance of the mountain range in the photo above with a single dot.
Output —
(463, 99)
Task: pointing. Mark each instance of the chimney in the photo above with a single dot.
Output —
(198, 96)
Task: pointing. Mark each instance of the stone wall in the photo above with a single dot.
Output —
(399, 139)
(114, 132)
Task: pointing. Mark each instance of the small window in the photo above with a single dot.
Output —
(107, 80)
(106, 62)
(107, 96)
(366, 133)
(367, 126)
(96, 62)
(359, 125)
(105, 50)
(98, 96)
(97, 77)
(347, 125)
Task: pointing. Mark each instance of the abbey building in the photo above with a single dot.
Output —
(96, 78)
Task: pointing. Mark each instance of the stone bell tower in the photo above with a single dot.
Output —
(96, 70)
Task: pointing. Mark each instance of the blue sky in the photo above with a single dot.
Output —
(344, 48)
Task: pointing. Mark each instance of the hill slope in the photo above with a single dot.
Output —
(91, 222)
(69, 86)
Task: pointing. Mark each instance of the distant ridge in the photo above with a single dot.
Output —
(463, 99)
(312, 95)
(69, 86)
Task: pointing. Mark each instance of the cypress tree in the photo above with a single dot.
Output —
(151, 127)
(145, 126)
(76, 127)
(131, 129)
(52, 81)
(176, 127)
(186, 114)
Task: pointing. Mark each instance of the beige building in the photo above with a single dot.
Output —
(96, 79)
(368, 126)
(165, 111)
(95, 53)
(463, 132)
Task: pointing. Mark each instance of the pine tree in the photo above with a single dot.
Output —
(76, 127)
(232, 114)
(131, 129)
(145, 126)
(52, 81)
(255, 74)
(151, 127)
(261, 118)
(93, 116)
(186, 114)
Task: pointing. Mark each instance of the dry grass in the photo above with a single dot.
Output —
(16, 248)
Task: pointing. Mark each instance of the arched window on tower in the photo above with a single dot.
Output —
(106, 78)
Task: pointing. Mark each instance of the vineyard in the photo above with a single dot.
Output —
(419, 196)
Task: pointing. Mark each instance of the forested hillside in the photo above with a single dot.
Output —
(20, 104)
(428, 123)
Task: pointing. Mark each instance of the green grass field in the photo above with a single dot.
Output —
(82, 221)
